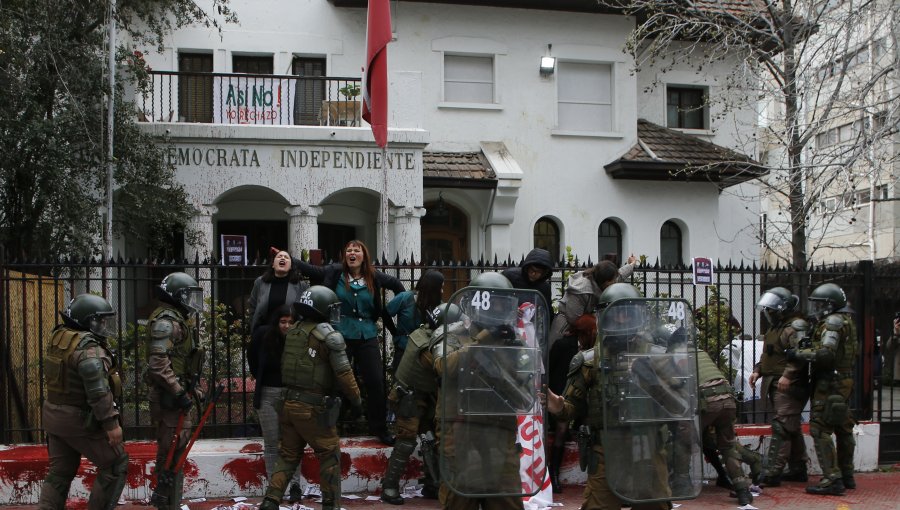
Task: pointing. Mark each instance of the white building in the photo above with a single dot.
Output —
(488, 155)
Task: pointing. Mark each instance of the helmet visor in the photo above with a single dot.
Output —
(192, 297)
(771, 301)
(334, 314)
(625, 317)
(497, 310)
(818, 307)
(103, 325)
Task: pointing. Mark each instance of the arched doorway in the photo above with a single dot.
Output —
(445, 237)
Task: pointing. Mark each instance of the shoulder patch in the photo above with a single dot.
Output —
(322, 330)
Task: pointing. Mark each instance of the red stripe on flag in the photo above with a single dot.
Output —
(375, 96)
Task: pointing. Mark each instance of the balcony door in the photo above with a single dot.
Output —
(195, 91)
(310, 90)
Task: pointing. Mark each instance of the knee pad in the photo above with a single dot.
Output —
(779, 429)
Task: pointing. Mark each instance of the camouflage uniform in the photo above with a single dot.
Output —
(718, 410)
(173, 366)
(82, 384)
(833, 356)
(584, 396)
(314, 365)
(787, 448)
(486, 444)
(413, 399)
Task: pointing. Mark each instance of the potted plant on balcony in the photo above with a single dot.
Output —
(350, 91)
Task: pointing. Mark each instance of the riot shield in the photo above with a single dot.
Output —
(491, 365)
(648, 371)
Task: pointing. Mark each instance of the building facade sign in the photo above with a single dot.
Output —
(302, 157)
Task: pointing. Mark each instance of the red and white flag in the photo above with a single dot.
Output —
(375, 84)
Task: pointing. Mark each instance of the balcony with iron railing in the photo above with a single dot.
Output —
(249, 99)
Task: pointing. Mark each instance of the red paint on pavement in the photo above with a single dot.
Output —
(248, 473)
(22, 475)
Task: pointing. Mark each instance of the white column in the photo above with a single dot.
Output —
(407, 233)
(202, 222)
(303, 228)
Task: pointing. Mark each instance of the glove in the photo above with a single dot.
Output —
(791, 354)
(184, 401)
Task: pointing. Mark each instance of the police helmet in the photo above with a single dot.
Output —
(825, 299)
(620, 315)
(446, 313)
(491, 280)
(495, 305)
(88, 312)
(181, 289)
(319, 303)
(776, 303)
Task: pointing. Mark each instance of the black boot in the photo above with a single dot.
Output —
(849, 481)
(767, 480)
(744, 497)
(390, 484)
(835, 488)
(556, 456)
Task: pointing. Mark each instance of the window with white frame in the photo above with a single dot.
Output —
(468, 79)
(585, 96)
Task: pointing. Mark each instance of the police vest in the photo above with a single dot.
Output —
(774, 359)
(410, 372)
(185, 354)
(305, 364)
(846, 351)
(64, 384)
(706, 369)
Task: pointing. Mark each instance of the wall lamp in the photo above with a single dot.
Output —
(548, 63)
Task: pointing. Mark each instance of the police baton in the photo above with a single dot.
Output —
(211, 403)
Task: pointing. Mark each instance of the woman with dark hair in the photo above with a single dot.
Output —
(359, 287)
(413, 307)
(280, 284)
(266, 348)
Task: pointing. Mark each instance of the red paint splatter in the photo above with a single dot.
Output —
(23, 475)
(252, 448)
(248, 473)
(309, 466)
(370, 466)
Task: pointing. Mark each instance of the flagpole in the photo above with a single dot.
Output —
(385, 220)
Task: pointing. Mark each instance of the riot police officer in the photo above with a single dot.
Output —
(414, 399)
(627, 393)
(489, 373)
(313, 366)
(832, 356)
(82, 376)
(785, 384)
(174, 362)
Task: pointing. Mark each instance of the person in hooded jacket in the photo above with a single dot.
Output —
(533, 273)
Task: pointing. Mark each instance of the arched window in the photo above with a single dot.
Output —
(670, 244)
(609, 241)
(546, 236)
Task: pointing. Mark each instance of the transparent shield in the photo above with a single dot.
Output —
(648, 366)
(492, 367)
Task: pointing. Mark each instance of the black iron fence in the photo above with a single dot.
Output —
(31, 294)
(227, 98)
